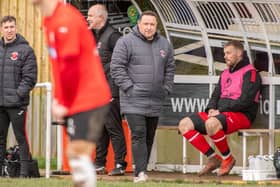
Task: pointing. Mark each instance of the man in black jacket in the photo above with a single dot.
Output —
(106, 38)
(18, 75)
(233, 106)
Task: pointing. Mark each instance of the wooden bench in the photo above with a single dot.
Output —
(260, 133)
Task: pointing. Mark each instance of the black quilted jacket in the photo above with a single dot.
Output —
(18, 72)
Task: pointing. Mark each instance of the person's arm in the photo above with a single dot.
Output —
(213, 102)
(119, 65)
(29, 74)
(69, 41)
(169, 71)
(115, 36)
(112, 43)
(68, 37)
(250, 88)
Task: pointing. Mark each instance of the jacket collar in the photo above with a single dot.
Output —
(244, 62)
(98, 33)
(11, 43)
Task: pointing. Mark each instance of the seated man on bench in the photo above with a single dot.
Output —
(233, 106)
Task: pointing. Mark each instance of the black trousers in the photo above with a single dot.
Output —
(17, 117)
(143, 131)
(112, 130)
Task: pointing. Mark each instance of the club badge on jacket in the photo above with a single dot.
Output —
(99, 44)
(162, 53)
(14, 56)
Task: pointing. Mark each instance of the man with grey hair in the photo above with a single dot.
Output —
(106, 38)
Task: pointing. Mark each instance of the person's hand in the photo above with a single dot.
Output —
(166, 93)
(213, 112)
(59, 111)
(129, 91)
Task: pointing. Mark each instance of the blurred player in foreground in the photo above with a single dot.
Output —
(81, 92)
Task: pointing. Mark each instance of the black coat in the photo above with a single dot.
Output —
(106, 39)
(18, 72)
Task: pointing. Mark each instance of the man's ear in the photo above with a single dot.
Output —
(239, 53)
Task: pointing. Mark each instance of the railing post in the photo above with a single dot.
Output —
(243, 30)
(48, 87)
(48, 128)
(184, 155)
(162, 19)
(59, 147)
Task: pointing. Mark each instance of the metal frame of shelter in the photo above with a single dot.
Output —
(214, 22)
(255, 22)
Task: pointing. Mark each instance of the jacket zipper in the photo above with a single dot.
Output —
(154, 67)
(2, 72)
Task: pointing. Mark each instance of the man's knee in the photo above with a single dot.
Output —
(185, 125)
(80, 147)
(139, 135)
(213, 125)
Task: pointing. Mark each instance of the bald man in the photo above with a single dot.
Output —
(106, 38)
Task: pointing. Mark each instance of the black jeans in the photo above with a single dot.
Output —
(143, 130)
(112, 130)
(17, 117)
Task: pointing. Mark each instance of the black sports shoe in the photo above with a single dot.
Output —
(118, 170)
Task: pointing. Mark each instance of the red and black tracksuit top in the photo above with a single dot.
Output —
(238, 90)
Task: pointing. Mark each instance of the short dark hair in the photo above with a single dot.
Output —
(148, 13)
(8, 18)
(236, 44)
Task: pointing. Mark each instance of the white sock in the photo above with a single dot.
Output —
(83, 170)
(212, 155)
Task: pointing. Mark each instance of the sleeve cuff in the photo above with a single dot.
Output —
(126, 87)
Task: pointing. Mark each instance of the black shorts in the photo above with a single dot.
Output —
(87, 125)
(231, 121)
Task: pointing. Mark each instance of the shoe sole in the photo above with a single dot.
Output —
(209, 172)
(141, 181)
(119, 174)
(101, 172)
(138, 182)
(223, 174)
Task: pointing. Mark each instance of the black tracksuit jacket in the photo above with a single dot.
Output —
(18, 72)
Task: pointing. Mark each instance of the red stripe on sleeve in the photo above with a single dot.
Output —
(253, 76)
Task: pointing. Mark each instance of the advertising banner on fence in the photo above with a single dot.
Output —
(189, 98)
